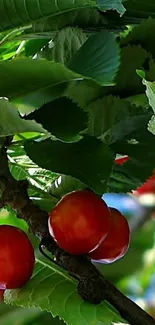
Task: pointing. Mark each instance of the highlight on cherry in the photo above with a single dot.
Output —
(82, 223)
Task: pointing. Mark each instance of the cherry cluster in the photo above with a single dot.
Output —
(82, 223)
(16, 258)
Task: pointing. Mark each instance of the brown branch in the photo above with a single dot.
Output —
(91, 284)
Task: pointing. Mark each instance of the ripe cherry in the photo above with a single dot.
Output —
(147, 187)
(16, 258)
(1, 296)
(116, 243)
(79, 222)
(122, 160)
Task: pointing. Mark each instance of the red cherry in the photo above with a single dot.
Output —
(1, 295)
(147, 187)
(117, 242)
(16, 258)
(122, 160)
(79, 222)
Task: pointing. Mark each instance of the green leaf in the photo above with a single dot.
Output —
(112, 118)
(88, 160)
(83, 18)
(64, 184)
(139, 146)
(128, 82)
(140, 8)
(66, 43)
(8, 217)
(54, 291)
(34, 46)
(150, 93)
(83, 92)
(111, 5)
(151, 124)
(28, 103)
(142, 34)
(22, 167)
(98, 58)
(11, 123)
(32, 76)
(24, 12)
(62, 118)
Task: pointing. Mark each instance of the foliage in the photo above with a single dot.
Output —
(77, 88)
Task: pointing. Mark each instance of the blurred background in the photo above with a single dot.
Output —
(134, 274)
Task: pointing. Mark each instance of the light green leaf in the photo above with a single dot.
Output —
(88, 160)
(25, 12)
(150, 93)
(64, 184)
(66, 43)
(53, 290)
(98, 58)
(111, 5)
(151, 125)
(11, 123)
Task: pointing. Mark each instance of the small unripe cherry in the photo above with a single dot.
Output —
(116, 243)
(16, 257)
(79, 222)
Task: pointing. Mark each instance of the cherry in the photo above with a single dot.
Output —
(79, 222)
(16, 258)
(1, 295)
(122, 160)
(147, 187)
(116, 243)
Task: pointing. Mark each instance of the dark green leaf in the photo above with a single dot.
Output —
(34, 46)
(88, 160)
(62, 118)
(140, 8)
(112, 118)
(142, 34)
(128, 82)
(139, 146)
(98, 58)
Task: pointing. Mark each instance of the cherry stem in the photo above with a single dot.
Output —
(41, 245)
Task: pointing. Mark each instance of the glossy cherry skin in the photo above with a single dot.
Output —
(79, 222)
(116, 243)
(16, 258)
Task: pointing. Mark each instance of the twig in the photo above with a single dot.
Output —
(91, 284)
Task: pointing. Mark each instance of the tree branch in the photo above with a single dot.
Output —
(91, 284)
